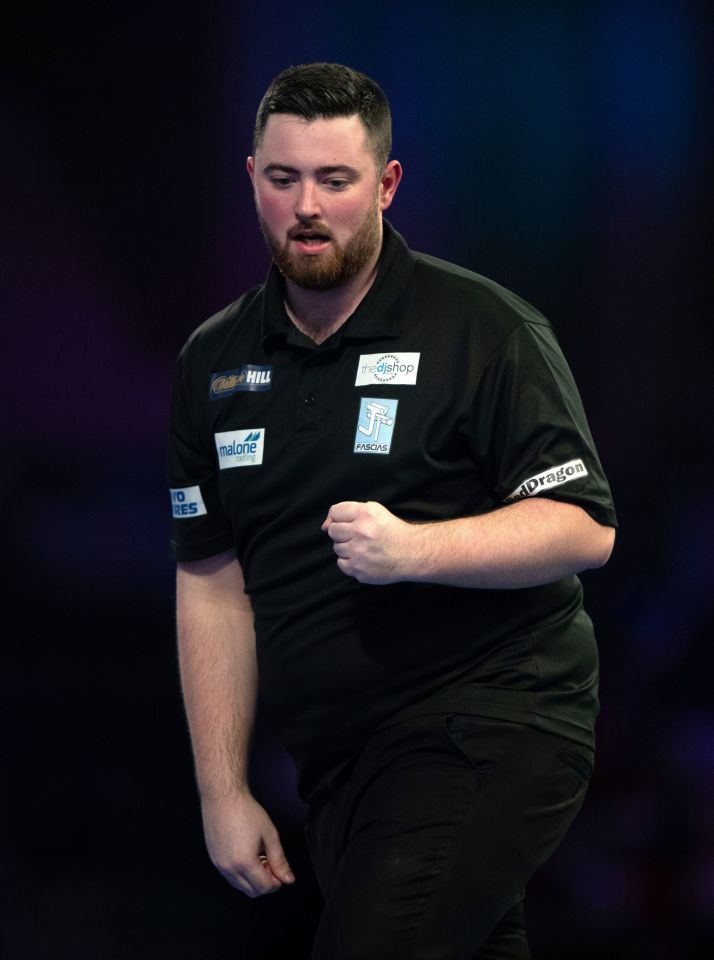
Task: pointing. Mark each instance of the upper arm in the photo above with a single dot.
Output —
(215, 583)
(200, 524)
(592, 539)
(529, 431)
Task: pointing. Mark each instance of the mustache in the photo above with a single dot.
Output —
(312, 228)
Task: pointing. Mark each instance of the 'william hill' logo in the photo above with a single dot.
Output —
(247, 377)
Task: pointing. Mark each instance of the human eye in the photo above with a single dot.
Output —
(337, 183)
(281, 181)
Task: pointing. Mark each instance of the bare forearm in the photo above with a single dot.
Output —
(216, 646)
(219, 680)
(522, 545)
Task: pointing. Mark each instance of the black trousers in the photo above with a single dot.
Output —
(424, 847)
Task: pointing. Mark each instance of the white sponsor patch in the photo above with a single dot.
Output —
(240, 448)
(387, 368)
(552, 477)
(187, 502)
(375, 425)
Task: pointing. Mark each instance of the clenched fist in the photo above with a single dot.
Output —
(371, 544)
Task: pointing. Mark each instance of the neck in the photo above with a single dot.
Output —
(319, 313)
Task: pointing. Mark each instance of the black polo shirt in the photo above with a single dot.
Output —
(443, 395)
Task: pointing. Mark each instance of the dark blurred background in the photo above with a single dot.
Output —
(561, 148)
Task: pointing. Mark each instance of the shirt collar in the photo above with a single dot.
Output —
(379, 313)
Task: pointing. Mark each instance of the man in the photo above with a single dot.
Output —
(383, 486)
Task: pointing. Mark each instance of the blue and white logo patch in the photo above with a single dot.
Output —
(187, 502)
(240, 448)
(248, 377)
(375, 425)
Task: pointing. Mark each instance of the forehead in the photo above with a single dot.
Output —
(297, 142)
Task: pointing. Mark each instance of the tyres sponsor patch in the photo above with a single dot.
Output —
(187, 502)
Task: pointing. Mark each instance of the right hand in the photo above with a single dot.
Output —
(244, 845)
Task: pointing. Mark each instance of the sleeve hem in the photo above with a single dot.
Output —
(601, 513)
(201, 551)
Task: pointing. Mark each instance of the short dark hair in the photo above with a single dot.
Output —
(325, 90)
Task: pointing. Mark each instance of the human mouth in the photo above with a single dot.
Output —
(310, 241)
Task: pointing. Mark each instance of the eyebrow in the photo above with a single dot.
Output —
(320, 171)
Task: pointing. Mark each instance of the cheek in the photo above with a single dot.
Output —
(352, 214)
(273, 206)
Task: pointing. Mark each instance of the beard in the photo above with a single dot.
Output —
(333, 269)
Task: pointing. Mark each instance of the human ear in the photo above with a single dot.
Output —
(389, 181)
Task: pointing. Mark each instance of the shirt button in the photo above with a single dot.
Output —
(309, 399)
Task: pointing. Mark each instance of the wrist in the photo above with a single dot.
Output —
(229, 793)
(418, 555)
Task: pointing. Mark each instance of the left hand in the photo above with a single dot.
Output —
(371, 544)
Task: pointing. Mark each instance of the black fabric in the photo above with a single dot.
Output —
(425, 845)
(493, 407)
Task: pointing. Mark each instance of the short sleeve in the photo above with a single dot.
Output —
(529, 429)
(200, 526)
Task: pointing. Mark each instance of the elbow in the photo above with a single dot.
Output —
(602, 542)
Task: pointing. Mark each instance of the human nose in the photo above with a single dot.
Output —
(307, 206)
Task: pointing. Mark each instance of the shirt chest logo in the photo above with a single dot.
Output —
(375, 425)
(240, 448)
(248, 377)
(387, 368)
